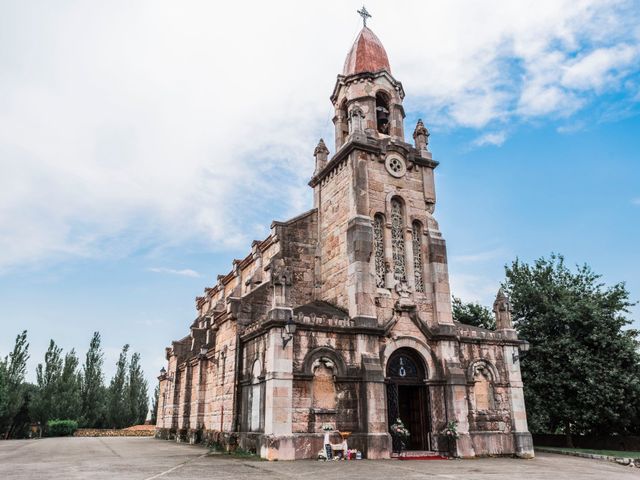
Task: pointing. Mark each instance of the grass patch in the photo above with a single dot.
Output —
(610, 453)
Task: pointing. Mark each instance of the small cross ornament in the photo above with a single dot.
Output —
(364, 14)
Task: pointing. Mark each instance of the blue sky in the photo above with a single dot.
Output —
(141, 160)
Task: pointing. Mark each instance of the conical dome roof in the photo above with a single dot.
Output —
(366, 55)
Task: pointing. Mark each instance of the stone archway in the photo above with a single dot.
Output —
(408, 397)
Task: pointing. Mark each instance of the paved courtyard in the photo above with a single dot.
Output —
(147, 459)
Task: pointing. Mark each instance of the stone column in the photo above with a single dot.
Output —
(360, 283)
(201, 392)
(523, 442)
(278, 399)
(439, 277)
(374, 408)
(456, 397)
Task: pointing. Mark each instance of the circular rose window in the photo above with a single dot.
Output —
(396, 166)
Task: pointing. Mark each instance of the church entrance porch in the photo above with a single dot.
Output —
(408, 399)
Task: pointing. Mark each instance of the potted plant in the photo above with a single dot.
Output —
(400, 433)
(450, 431)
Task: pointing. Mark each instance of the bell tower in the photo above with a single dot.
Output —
(380, 248)
(367, 99)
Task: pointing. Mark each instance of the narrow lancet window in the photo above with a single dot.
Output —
(397, 240)
(417, 256)
(378, 241)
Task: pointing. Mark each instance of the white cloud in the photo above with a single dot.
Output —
(474, 288)
(186, 272)
(636, 201)
(157, 123)
(491, 138)
(600, 67)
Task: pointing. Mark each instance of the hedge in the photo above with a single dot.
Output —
(61, 428)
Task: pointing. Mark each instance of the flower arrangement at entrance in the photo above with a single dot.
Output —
(400, 432)
(451, 430)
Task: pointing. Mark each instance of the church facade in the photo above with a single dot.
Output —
(341, 317)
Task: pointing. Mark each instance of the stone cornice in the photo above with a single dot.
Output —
(342, 80)
(375, 146)
(310, 323)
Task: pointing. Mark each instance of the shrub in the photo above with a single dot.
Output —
(61, 428)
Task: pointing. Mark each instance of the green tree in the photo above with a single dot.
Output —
(67, 400)
(472, 314)
(22, 421)
(154, 405)
(12, 372)
(48, 379)
(117, 408)
(137, 392)
(93, 391)
(582, 373)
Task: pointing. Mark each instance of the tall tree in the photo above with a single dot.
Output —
(12, 372)
(117, 408)
(48, 379)
(472, 313)
(67, 400)
(582, 373)
(154, 405)
(137, 392)
(93, 391)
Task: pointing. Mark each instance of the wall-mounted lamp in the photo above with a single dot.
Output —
(522, 348)
(163, 371)
(203, 353)
(288, 331)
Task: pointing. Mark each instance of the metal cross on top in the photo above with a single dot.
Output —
(364, 14)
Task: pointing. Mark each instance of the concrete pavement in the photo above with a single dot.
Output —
(149, 459)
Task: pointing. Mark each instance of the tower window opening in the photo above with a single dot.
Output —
(397, 240)
(382, 113)
(378, 242)
(344, 121)
(417, 256)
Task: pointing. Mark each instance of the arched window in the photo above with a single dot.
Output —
(382, 113)
(417, 256)
(397, 240)
(378, 245)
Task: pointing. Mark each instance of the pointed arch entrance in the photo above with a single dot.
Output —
(408, 397)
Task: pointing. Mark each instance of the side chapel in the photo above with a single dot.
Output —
(342, 315)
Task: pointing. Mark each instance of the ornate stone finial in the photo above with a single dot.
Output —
(502, 311)
(364, 14)
(421, 136)
(320, 152)
(320, 148)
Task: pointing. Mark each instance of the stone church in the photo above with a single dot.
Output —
(341, 317)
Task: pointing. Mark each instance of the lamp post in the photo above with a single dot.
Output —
(522, 348)
(288, 331)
